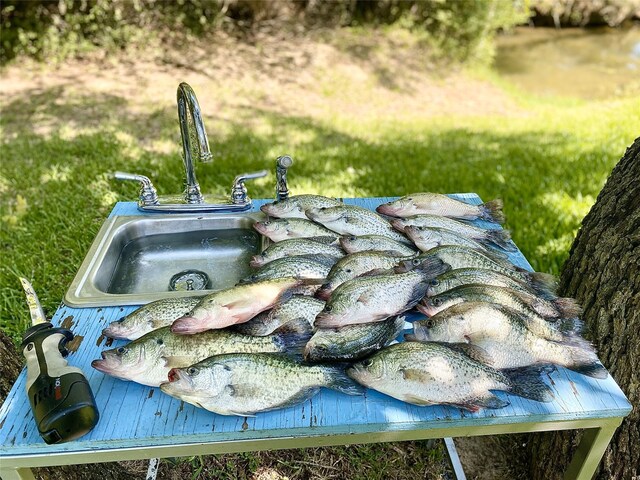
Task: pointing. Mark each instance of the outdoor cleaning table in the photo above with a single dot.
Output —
(139, 422)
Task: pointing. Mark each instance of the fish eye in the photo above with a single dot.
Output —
(266, 223)
(328, 308)
(430, 323)
(436, 302)
(434, 283)
(368, 362)
(159, 341)
(415, 262)
(192, 370)
(120, 320)
(410, 199)
(121, 350)
(353, 238)
(348, 270)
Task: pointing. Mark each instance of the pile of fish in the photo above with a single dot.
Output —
(326, 303)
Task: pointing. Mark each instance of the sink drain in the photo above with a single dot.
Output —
(189, 280)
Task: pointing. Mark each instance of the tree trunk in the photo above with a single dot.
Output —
(603, 274)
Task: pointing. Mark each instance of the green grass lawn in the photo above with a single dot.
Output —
(357, 125)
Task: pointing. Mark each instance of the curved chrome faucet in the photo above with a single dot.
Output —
(188, 103)
(282, 164)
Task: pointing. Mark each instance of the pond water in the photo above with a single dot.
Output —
(590, 64)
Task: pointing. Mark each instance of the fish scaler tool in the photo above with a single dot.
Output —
(61, 399)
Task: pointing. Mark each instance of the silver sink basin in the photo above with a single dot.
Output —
(139, 259)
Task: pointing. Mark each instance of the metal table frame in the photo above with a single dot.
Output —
(598, 434)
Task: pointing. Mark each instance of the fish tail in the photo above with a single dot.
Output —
(492, 211)
(583, 358)
(567, 307)
(526, 382)
(291, 342)
(338, 380)
(543, 283)
(500, 238)
(493, 249)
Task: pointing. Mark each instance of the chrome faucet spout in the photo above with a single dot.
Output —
(188, 105)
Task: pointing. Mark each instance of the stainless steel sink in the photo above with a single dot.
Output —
(138, 259)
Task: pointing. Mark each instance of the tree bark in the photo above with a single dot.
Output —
(603, 274)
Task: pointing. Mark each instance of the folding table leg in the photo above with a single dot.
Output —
(590, 451)
(16, 473)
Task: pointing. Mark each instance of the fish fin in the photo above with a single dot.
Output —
(492, 211)
(410, 337)
(377, 271)
(567, 307)
(488, 247)
(415, 400)
(502, 239)
(364, 298)
(155, 324)
(325, 239)
(415, 375)
(292, 342)
(543, 283)
(338, 380)
(501, 259)
(321, 258)
(178, 361)
(490, 401)
(526, 382)
(593, 370)
(472, 351)
(300, 326)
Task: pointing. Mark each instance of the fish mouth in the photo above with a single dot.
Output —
(386, 209)
(326, 320)
(398, 224)
(324, 292)
(428, 310)
(257, 261)
(187, 326)
(420, 333)
(260, 227)
(403, 267)
(117, 330)
(109, 363)
(178, 383)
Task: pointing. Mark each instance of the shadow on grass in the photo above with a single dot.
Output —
(56, 190)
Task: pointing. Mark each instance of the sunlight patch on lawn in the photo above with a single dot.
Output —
(568, 208)
(55, 173)
(100, 188)
(17, 209)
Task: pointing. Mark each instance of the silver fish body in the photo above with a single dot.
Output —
(374, 298)
(148, 359)
(354, 265)
(432, 373)
(352, 341)
(468, 276)
(296, 314)
(298, 246)
(354, 220)
(527, 304)
(150, 317)
(506, 337)
(245, 384)
(296, 205)
(235, 305)
(498, 237)
(286, 228)
(443, 205)
(299, 266)
(427, 238)
(361, 243)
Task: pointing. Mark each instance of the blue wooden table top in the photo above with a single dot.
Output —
(133, 415)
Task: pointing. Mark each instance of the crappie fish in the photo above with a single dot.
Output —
(354, 265)
(150, 317)
(427, 238)
(432, 373)
(298, 246)
(497, 237)
(300, 266)
(562, 311)
(148, 359)
(467, 276)
(235, 305)
(286, 228)
(354, 220)
(353, 341)
(354, 244)
(295, 205)
(507, 338)
(245, 384)
(371, 299)
(296, 314)
(437, 204)
(463, 257)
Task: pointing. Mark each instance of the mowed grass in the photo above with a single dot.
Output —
(358, 125)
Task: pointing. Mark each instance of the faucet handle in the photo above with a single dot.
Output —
(148, 193)
(239, 190)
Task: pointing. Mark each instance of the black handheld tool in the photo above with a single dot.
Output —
(61, 399)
